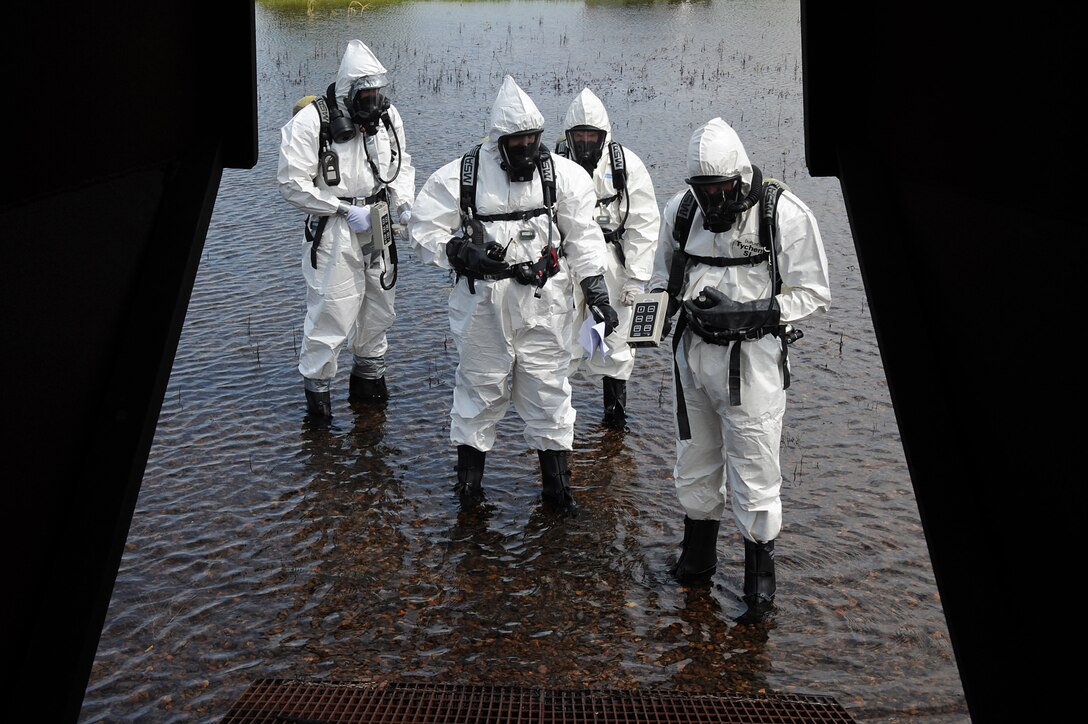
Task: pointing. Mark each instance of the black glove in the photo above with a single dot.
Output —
(596, 295)
(475, 257)
(716, 317)
(474, 230)
(673, 306)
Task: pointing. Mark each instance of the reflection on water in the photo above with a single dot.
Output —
(265, 547)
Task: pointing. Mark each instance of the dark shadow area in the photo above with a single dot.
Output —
(130, 112)
(952, 138)
(951, 133)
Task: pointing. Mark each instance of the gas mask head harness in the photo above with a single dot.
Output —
(520, 152)
(586, 144)
(720, 198)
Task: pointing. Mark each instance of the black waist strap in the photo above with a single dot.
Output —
(734, 375)
(734, 366)
(314, 237)
(683, 427)
(682, 424)
(726, 336)
(473, 276)
(513, 215)
(730, 260)
(546, 272)
(364, 200)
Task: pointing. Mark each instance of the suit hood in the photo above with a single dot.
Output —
(513, 112)
(587, 110)
(359, 62)
(716, 150)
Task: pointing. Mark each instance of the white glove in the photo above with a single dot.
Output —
(631, 289)
(359, 218)
(405, 216)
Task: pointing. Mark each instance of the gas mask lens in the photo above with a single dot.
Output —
(520, 152)
(718, 197)
(586, 144)
(715, 192)
(366, 101)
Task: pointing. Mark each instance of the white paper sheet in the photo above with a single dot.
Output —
(591, 337)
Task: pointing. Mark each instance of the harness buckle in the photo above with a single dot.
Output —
(378, 195)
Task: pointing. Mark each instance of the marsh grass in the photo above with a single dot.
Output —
(354, 6)
(360, 5)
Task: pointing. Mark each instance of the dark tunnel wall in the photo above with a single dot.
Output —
(129, 112)
(952, 138)
(947, 133)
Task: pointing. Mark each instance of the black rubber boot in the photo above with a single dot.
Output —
(556, 476)
(364, 390)
(470, 472)
(699, 552)
(759, 581)
(319, 405)
(615, 400)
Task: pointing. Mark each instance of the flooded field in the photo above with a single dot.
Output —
(263, 547)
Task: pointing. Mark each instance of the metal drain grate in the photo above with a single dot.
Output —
(279, 701)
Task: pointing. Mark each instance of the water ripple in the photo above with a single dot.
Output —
(263, 547)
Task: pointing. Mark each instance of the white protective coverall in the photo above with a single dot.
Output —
(636, 248)
(513, 344)
(736, 448)
(345, 300)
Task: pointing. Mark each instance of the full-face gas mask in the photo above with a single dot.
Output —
(366, 102)
(586, 143)
(720, 198)
(520, 152)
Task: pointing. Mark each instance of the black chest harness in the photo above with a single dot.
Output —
(329, 165)
(681, 260)
(533, 273)
(618, 162)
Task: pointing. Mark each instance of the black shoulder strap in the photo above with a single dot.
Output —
(685, 214)
(323, 104)
(469, 163)
(768, 235)
(547, 177)
(619, 165)
(546, 166)
(768, 227)
(323, 111)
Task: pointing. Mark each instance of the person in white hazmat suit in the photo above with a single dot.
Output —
(730, 350)
(349, 284)
(515, 223)
(627, 213)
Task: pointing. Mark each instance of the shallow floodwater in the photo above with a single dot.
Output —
(262, 547)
